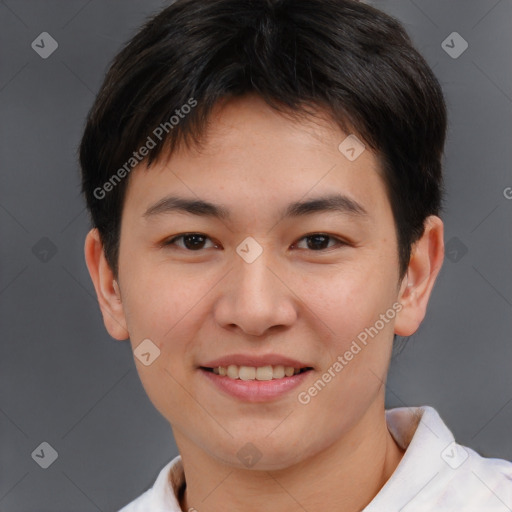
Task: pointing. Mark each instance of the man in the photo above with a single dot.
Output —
(264, 180)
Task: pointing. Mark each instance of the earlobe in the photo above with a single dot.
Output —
(107, 288)
(427, 257)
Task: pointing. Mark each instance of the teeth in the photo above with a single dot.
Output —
(247, 372)
(278, 372)
(232, 371)
(256, 373)
(264, 373)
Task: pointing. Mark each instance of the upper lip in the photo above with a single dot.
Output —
(252, 360)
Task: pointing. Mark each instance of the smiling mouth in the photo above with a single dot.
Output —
(268, 372)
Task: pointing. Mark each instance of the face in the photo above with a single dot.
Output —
(254, 283)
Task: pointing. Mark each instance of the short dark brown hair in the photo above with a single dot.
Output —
(344, 56)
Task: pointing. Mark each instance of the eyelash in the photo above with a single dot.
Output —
(339, 242)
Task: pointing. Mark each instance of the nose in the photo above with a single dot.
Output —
(257, 297)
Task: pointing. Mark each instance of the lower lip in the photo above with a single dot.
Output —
(256, 390)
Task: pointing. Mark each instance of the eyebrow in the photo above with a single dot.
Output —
(338, 203)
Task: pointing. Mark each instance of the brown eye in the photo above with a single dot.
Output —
(190, 241)
(320, 241)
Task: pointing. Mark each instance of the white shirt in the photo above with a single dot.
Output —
(434, 474)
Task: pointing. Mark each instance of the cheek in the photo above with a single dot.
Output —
(163, 304)
(348, 298)
(356, 349)
(350, 303)
(164, 308)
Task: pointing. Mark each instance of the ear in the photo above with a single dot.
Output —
(107, 290)
(427, 257)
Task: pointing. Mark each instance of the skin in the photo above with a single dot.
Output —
(335, 452)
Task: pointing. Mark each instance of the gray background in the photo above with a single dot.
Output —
(64, 381)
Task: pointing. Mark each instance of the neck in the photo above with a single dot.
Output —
(346, 475)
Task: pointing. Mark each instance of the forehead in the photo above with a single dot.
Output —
(254, 154)
(247, 120)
